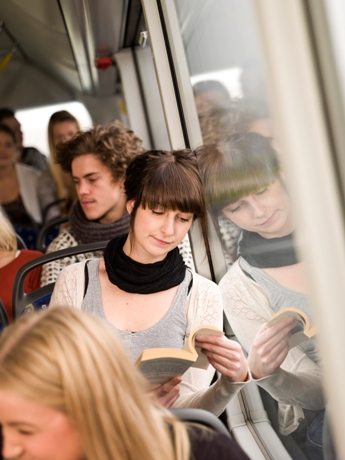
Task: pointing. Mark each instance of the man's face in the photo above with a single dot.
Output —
(101, 197)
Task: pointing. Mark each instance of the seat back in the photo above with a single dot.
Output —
(202, 417)
(40, 298)
(20, 242)
(49, 231)
(4, 321)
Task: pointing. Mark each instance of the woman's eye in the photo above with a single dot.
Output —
(157, 212)
(25, 432)
(261, 191)
(184, 220)
(234, 207)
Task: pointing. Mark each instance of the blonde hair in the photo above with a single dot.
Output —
(73, 362)
(8, 239)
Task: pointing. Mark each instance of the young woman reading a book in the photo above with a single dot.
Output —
(69, 392)
(143, 288)
(243, 182)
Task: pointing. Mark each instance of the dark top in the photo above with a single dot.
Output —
(16, 212)
(208, 445)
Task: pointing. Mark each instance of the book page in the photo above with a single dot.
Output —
(160, 370)
(298, 333)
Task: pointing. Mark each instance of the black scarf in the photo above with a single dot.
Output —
(90, 231)
(267, 252)
(135, 277)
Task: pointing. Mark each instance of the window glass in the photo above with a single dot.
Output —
(251, 209)
(34, 122)
(152, 100)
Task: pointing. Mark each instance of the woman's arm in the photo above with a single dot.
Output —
(205, 307)
(297, 379)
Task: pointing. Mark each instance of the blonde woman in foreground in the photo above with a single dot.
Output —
(68, 391)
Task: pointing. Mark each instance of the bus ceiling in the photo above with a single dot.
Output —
(54, 51)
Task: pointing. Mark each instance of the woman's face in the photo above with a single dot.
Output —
(63, 131)
(33, 431)
(8, 150)
(157, 232)
(266, 212)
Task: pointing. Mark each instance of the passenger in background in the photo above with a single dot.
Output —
(210, 94)
(144, 289)
(11, 260)
(22, 195)
(27, 155)
(69, 392)
(97, 160)
(243, 182)
(62, 127)
(218, 122)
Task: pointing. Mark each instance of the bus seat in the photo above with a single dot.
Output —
(20, 242)
(201, 417)
(40, 298)
(3, 316)
(49, 231)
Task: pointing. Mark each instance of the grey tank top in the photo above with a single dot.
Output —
(169, 331)
(281, 297)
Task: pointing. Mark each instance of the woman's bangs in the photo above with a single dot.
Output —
(180, 196)
(231, 187)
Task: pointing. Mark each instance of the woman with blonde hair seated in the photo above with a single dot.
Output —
(69, 392)
(11, 260)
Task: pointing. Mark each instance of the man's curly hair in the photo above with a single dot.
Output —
(113, 144)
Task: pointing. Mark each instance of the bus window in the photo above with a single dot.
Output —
(34, 122)
(241, 164)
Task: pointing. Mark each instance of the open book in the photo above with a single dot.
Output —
(161, 364)
(304, 328)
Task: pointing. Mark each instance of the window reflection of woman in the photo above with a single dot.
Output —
(244, 184)
(22, 196)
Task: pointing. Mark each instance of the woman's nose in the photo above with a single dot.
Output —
(258, 207)
(11, 448)
(168, 225)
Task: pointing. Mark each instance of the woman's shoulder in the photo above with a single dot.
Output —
(207, 444)
(73, 270)
(26, 170)
(203, 283)
(234, 275)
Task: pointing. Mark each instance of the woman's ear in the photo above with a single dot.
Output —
(130, 206)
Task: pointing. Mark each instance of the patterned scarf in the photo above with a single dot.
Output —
(90, 231)
(135, 277)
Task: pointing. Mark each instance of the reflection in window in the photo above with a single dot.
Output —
(251, 209)
(244, 187)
